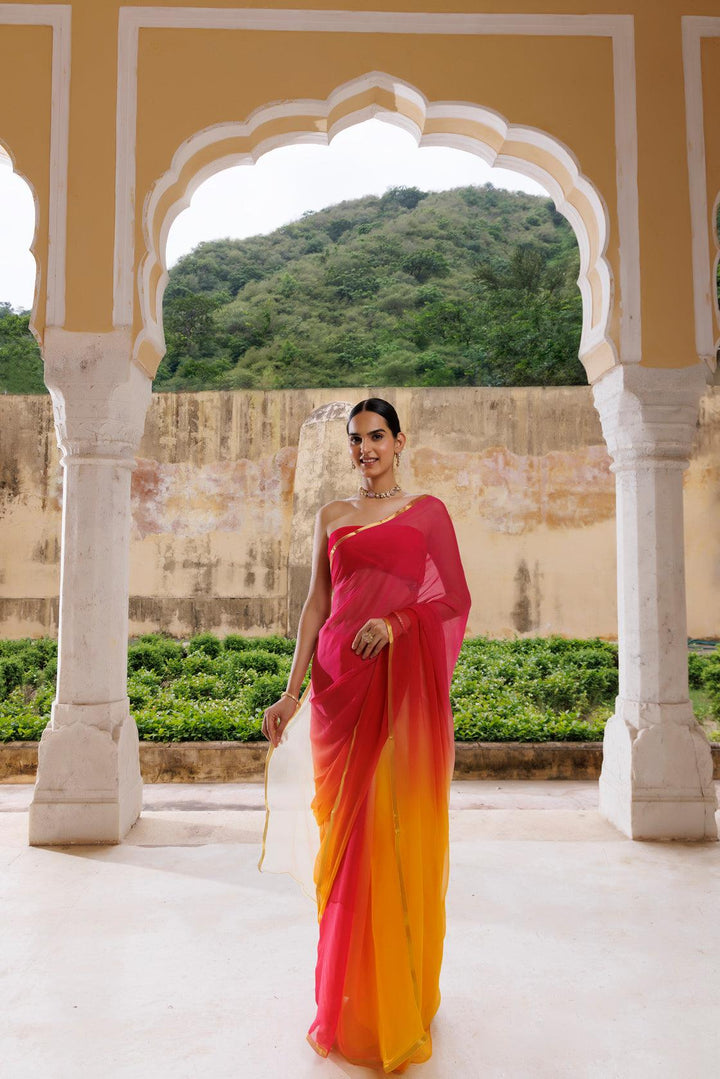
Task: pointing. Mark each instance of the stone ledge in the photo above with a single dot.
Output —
(237, 762)
(527, 760)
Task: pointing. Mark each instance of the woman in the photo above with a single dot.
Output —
(384, 617)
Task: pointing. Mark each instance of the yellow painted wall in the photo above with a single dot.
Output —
(191, 78)
(91, 173)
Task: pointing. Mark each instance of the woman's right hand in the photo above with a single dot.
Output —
(277, 717)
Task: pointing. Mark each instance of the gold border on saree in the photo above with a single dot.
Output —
(396, 818)
(372, 524)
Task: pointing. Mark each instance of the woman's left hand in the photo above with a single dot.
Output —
(370, 638)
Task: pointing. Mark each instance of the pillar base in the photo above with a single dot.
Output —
(89, 787)
(657, 779)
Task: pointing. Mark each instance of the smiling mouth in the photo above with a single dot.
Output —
(368, 460)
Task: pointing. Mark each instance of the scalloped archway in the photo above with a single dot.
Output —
(459, 125)
(7, 160)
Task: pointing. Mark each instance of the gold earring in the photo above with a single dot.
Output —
(397, 460)
(352, 466)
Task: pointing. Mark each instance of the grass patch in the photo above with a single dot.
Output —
(537, 689)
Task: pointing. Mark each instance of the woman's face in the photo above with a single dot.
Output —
(372, 444)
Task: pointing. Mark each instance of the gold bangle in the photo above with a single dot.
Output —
(291, 696)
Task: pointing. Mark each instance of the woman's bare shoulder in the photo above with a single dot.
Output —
(332, 511)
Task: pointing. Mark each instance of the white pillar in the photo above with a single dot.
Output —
(656, 780)
(89, 788)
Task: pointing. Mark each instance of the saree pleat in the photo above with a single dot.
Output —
(381, 740)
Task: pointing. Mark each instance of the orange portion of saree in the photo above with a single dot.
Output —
(382, 746)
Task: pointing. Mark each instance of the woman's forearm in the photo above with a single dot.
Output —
(309, 625)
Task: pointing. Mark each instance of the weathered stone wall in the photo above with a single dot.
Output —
(227, 484)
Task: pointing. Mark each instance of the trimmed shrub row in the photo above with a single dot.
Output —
(532, 689)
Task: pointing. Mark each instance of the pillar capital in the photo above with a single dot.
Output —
(99, 396)
(649, 414)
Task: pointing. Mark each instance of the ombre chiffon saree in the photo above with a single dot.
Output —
(357, 795)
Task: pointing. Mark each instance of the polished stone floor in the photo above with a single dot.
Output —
(571, 951)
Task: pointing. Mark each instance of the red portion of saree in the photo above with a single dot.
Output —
(382, 742)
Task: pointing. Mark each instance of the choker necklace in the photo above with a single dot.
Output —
(396, 490)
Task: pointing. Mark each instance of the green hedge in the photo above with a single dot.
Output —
(541, 689)
(533, 689)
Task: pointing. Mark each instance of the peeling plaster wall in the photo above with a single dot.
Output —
(524, 473)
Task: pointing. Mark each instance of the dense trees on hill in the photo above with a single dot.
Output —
(473, 286)
(21, 368)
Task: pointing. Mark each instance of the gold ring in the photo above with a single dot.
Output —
(277, 721)
(367, 636)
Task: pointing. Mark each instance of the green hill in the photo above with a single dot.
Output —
(473, 286)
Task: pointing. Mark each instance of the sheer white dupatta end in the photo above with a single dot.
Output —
(291, 839)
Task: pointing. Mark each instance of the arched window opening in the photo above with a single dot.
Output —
(370, 261)
(21, 369)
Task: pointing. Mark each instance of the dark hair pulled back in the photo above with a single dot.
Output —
(382, 408)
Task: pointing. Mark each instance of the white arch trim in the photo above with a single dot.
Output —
(58, 17)
(707, 316)
(486, 134)
(619, 29)
(8, 161)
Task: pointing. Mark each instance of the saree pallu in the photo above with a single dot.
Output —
(358, 793)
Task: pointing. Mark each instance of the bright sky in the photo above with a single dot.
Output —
(363, 160)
